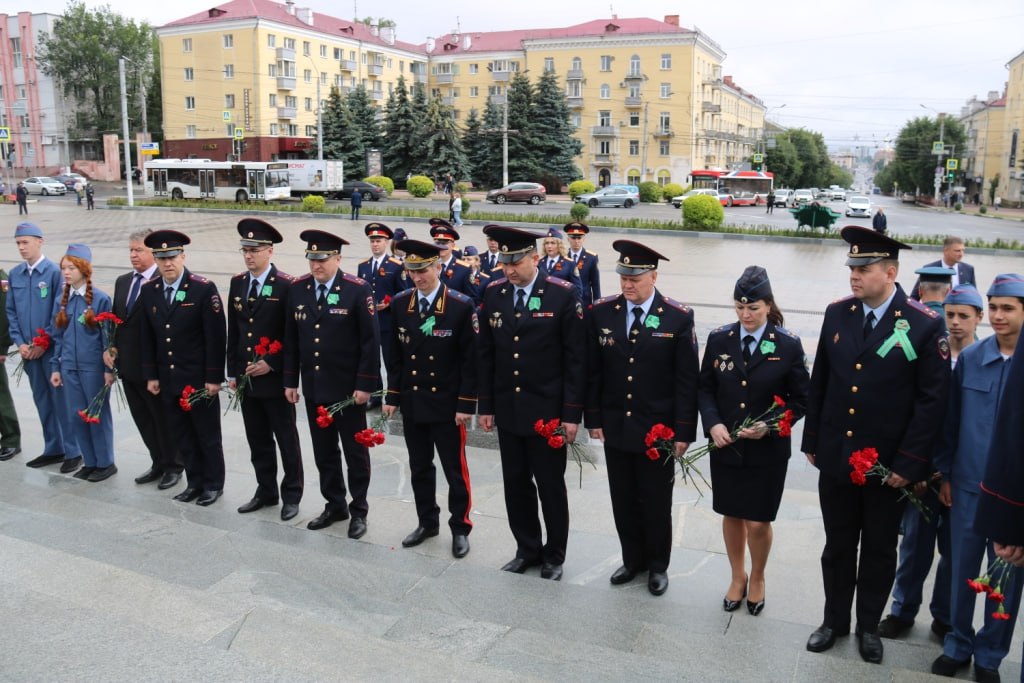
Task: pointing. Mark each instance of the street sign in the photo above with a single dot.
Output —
(150, 148)
(938, 148)
(5, 134)
(758, 158)
(239, 133)
(952, 164)
(226, 115)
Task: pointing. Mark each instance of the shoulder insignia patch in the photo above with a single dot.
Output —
(918, 306)
(564, 284)
(786, 332)
(676, 305)
(197, 278)
(459, 296)
(845, 298)
(286, 277)
(364, 261)
(499, 281)
(355, 279)
(606, 299)
(303, 278)
(462, 263)
(244, 273)
(396, 261)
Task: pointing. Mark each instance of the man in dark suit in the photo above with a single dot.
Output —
(532, 367)
(148, 412)
(183, 346)
(384, 274)
(257, 304)
(586, 262)
(642, 371)
(952, 257)
(489, 260)
(332, 343)
(880, 380)
(433, 380)
(454, 271)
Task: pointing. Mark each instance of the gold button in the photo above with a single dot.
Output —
(167, 326)
(168, 340)
(248, 334)
(515, 338)
(849, 433)
(316, 368)
(854, 389)
(515, 355)
(629, 413)
(518, 390)
(743, 383)
(316, 354)
(316, 340)
(432, 375)
(248, 348)
(630, 378)
(853, 411)
(413, 373)
(415, 388)
(629, 396)
(743, 405)
(515, 372)
(170, 353)
(172, 366)
(430, 358)
(317, 326)
(858, 366)
(433, 388)
(412, 357)
(250, 319)
(631, 360)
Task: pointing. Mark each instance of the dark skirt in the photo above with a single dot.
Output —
(752, 493)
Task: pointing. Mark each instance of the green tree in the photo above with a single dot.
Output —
(553, 130)
(441, 143)
(82, 55)
(380, 21)
(784, 163)
(914, 162)
(402, 131)
(482, 143)
(813, 155)
(524, 161)
(342, 138)
(418, 159)
(837, 175)
(993, 186)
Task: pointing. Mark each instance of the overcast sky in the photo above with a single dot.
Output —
(855, 71)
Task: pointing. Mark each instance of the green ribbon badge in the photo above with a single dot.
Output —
(899, 336)
(266, 291)
(427, 327)
(534, 303)
(652, 321)
(43, 291)
(179, 295)
(81, 319)
(767, 347)
(332, 299)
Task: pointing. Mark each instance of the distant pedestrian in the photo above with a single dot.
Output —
(78, 191)
(880, 223)
(137, 175)
(89, 202)
(998, 203)
(357, 202)
(456, 205)
(771, 202)
(22, 195)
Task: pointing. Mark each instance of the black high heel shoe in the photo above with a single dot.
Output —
(733, 605)
(755, 608)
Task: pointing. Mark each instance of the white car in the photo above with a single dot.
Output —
(858, 207)
(678, 201)
(782, 197)
(44, 186)
(838, 194)
(801, 197)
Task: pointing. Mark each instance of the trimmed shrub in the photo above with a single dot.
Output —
(958, 207)
(419, 186)
(579, 211)
(465, 206)
(981, 209)
(387, 183)
(578, 187)
(702, 212)
(671, 190)
(313, 203)
(462, 188)
(650, 192)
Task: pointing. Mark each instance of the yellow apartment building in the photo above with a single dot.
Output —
(1011, 188)
(984, 123)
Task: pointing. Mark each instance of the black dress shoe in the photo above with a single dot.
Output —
(189, 494)
(150, 475)
(550, 571)
(418, 535)
(169, 480)
(255, 504)
(326, 519)
(894, 627)
(45, 460)
(83, 473)
(460, 545)
(623, 575)
(985, 675)
(519, 565)
(870, 646)
(71, 464)
(288, 511)
(733, 605)
(8, 452)
(657, 582)
(824, 637)
(357, 527)
(947, 666)
(940, 629)
(101, 473)
(208, 498)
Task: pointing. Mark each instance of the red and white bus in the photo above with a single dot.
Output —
(733, 182)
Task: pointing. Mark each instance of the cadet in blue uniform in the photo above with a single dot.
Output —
(183, 345)
(78, 365)
(32, 304)
(454, 271)
(333, 344)
(532, 367)
(433, 380)
(964, 310)
(10, 430)
(257, 305)
(880, 379)
(746, 364)
(586, 261)
(384, 274)
(554, 263)
(978, 387)
(642, 371)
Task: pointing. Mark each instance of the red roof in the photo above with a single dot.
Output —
(237, 10)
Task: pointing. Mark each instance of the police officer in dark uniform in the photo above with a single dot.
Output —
(642, 371)
(586, 261)
(454, 271)
(880, 380)
(934, 283)
(384, 273)
(532, 367)
(333, 344)
(183, 345)
(489, 259)
(433, 380)
(257, 303)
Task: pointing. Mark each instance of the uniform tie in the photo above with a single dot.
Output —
(551, 264)
(133, 294)
(869, 323)
(747, 341)
(520, 301)
(254, 290)
(321, 296)
(493, 261)
(634, 329)
(424, 306)
(376, 265)
(170, 295)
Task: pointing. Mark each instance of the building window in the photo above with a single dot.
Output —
(474, 91)
(634, 91)
(633, 176)
(190, 74)
(229, 71)
(634, 119)
(307, 75)
(453, 92)
(604, 118)
(577, 64)
(576, 119)
(634, 65)
(574, 89)
(323, 51)
(289, 43)
(273, 99)
(305, 48)
(401, 66)
(16, 51)
(186, 45)
(273, 129)
(604, 147)
(25, 121)
(272, 70)
(293, 129)
(229, 40)
(663, 148)
(311, 131)
(229, 101)
(339, 80)
(664, 121)
(190, 103)
(664, 177)
(474, 68)
(666, 90)
(309, 103)
(634, 147)
(323, 79)
(666, 61)
(606, 62)
(363, 56)
(291, 101)
(190, 131)
(339, 54)
(549, 64)
(271, 40)
(494, 90)
(352, 56)
(606, 91)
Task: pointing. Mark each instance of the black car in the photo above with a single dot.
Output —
(369, 191)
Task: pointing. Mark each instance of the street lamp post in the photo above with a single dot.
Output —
(941, 153)
(319, 113)
(127, 140)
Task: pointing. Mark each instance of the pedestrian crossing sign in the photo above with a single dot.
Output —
(5, 134)
(239, 133)
(952, 164)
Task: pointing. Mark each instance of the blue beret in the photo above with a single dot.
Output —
(79, 251)
(554, 232)
(966, 295)
(28, 230)
(1007, 284)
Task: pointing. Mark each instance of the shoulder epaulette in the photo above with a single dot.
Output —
(285, 276)
(404, 293)
(845, 298)
(723, 328)
(606, 299)
(462, 263)
(459, 296)
(783, 330)
(499, 281)
(588, 252)
(396, 261)
(355, 279)
(197, 278)
(244, 273)
(564, 284)
(481, 274)
(303, 278)
(676, 305)
(364, 261)
(917, 305)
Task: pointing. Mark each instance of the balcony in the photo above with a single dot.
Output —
(634, 75)
(377, 95)
(604, 131)
(345, 89)
(448, 101)
(287, 112)
(574, 102)
(286, 83)
(497, 99)
(286, 54)
(501, 76)
(419, 78)
(664, 132)
(348, 65)
(713, 82)
(375, 69)
(603, 159)
(710, 107)
(574, 75)
(634, 102)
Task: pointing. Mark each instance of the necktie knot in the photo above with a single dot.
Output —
(520, 300)
(869, 323)
(424, 306)
(747, 353)
(634, 328)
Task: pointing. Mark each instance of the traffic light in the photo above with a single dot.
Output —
(949, 177)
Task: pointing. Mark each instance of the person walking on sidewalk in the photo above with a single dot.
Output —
(10, 430)
(21, 194)
(880, 222)
(357, 202)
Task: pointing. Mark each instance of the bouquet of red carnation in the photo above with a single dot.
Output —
(554, 431)
(108, 327)
(264, 348)
(374, 434)
(42, 341)
(190, 396)
(325, 416)
(91, 413)
(661, 440)
(997, 573)
(865, 463)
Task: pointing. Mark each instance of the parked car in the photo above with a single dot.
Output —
(801, 197)
(533, 193)
(908, 198)
(782, 197)
(819, 193)
(368, 190)
(44, 185)
(613, 195)
(837, 194)
(678, 201)
(858, 206)
(69, 180)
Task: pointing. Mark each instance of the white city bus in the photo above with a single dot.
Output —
(238, 181)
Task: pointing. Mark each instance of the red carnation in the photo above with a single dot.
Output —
(653, 453)
(1002, 616)
(556, 441)
(275, 347)
(779, 402)
(185, 405)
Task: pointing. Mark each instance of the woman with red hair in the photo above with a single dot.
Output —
(78, 365)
